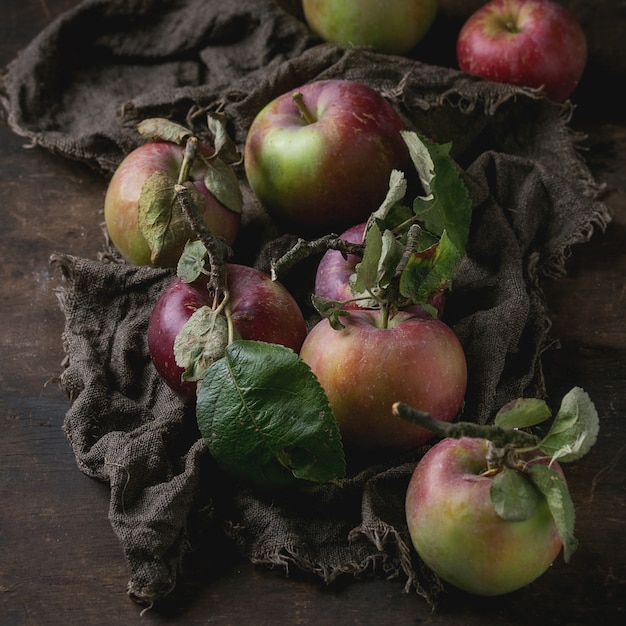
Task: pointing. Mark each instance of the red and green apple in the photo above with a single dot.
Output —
(319, 157)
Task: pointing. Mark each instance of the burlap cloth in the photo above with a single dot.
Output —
(79, 88)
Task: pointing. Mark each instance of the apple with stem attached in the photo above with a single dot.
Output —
(531, 43)
(319, 157)
(335, 269)
(141, 210)
(457, 532)
(261, 309)
(373, 362)
(392, 27)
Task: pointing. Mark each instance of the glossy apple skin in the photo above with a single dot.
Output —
(364, 369)
(324, 175)
(457, 533)
(548, 48)
(334, 270)
(332, 277)
(262, 310)
(121, 203)
(391, 27)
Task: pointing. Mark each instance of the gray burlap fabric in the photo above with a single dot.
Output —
(78, 90)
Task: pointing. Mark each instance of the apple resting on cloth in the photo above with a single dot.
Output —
(261, 310)
(319, 158)
(368, 365)
(529, 43)
(332, 277)
(388, 26)
(148, 174)
(457, 532)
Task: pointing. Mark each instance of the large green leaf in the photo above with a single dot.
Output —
(265, 417)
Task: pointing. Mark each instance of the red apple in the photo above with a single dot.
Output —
(395, 28)
(532, 43)
(319, 157)
(332, 277)
(457, 532)
(334, 270)
(366, 367)
(262, 310)
(121, 204)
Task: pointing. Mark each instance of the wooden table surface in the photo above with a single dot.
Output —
(59, 560)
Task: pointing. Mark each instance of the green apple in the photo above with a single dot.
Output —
(389, 26)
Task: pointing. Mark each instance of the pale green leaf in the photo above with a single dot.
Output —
(192, 261)
(575, 428)
(523, 413)
(553, 487)
(201, 341)
(514, 497)
(162, 129)
(222, 182)
(160, 218)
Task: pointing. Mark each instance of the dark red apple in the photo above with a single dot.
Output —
(262, 310)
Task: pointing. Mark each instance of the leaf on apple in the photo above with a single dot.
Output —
(575, 428)
(513, 496)
(412, 251)
(560, 503)
(202, 341)
(265, 417)
(159, 216)
(430, 271)
(192, 261)
(331, 310)
(162, 129)
(222, 182)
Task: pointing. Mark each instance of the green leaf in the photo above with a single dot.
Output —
(162, 129)
(553, 487)
(366, 277)
(430, 271)
(395, 194)
(160, 217)
(422, 159)
(522, 413)
(201, 341)
(192, 261)
(225, 148)
(222, 182)
(330, 309)
(514, 497)
(447, 205)
(575, 428)
(265, 417)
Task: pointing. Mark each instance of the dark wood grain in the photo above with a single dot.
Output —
(59, 560)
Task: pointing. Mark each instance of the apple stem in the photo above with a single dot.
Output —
(309, 118)
(303, 249)
(217, 250)
(191, 151)
(497, 434)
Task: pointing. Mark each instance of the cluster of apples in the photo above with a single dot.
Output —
(320, 159)
(530, 43)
